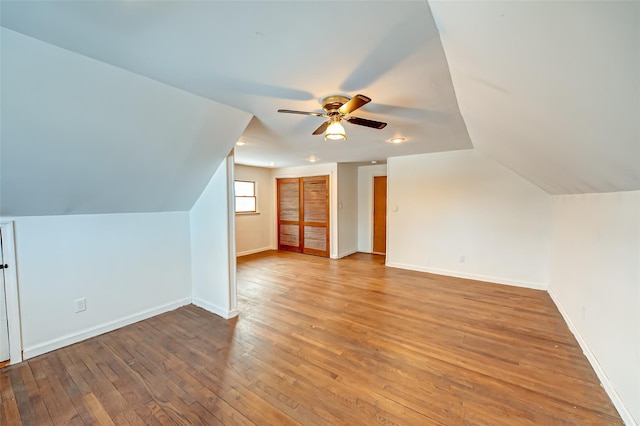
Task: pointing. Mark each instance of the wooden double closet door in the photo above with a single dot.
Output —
(303, 215)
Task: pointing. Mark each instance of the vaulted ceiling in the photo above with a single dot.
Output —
(551, 89)
(79, 136)
(130, 106)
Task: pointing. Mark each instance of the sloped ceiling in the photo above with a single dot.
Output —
(261, 56)
(551, 89)
(80, 136)
(129, 106)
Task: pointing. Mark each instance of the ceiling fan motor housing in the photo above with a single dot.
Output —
(332, 104)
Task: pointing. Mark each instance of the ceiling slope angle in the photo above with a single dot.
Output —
(80, 136)
(263, 56)
(550, 89)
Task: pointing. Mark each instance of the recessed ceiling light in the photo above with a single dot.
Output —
(272, 164)
(374, 162)
(313, 159)
(397, 140)
(240, 143)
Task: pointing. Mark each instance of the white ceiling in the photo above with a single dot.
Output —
(263, 56)
(549, 89)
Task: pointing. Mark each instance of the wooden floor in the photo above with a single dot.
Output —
(322, 341)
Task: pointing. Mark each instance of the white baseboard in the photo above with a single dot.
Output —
(215, 309)
(459, 274)
(604, 380)
(346, 253)
(70, 339)
(252, 251)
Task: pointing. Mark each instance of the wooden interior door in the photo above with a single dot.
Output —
(303, 215)
(380, 214)
(289, 209)
(315, 207)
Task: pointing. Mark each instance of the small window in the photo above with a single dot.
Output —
(245, 196)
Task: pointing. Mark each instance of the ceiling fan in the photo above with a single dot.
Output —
(338, 108)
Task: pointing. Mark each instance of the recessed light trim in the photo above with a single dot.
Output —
(313, 159)
(397, 140)
(240, 143)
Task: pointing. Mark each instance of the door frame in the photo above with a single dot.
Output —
(319, 170)
(11, 291)
(301, 222)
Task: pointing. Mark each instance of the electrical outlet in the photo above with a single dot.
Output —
(462, 259)
(80, 304)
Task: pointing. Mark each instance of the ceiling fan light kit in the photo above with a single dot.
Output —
(335, 131)
(338, 108)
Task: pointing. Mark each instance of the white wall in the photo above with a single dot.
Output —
(127, 266)
(256, 232)
(365, 204)
(462, 214)
(212, 266)
(330, 169)
(595, 281)
(347, 209)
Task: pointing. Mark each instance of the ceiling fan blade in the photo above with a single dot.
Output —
(364, 122)
(290, 111)
(320, 130)
(354, 103)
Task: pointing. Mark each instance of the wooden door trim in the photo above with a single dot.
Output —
(323, 224)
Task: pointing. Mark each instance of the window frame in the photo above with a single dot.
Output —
(254, 196)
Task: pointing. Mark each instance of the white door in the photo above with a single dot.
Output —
(4, 322)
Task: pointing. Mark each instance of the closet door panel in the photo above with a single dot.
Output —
(315, 238)
(289, 208)
(290, 235)
(289, 199)
(316, 199)
(315, 207)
